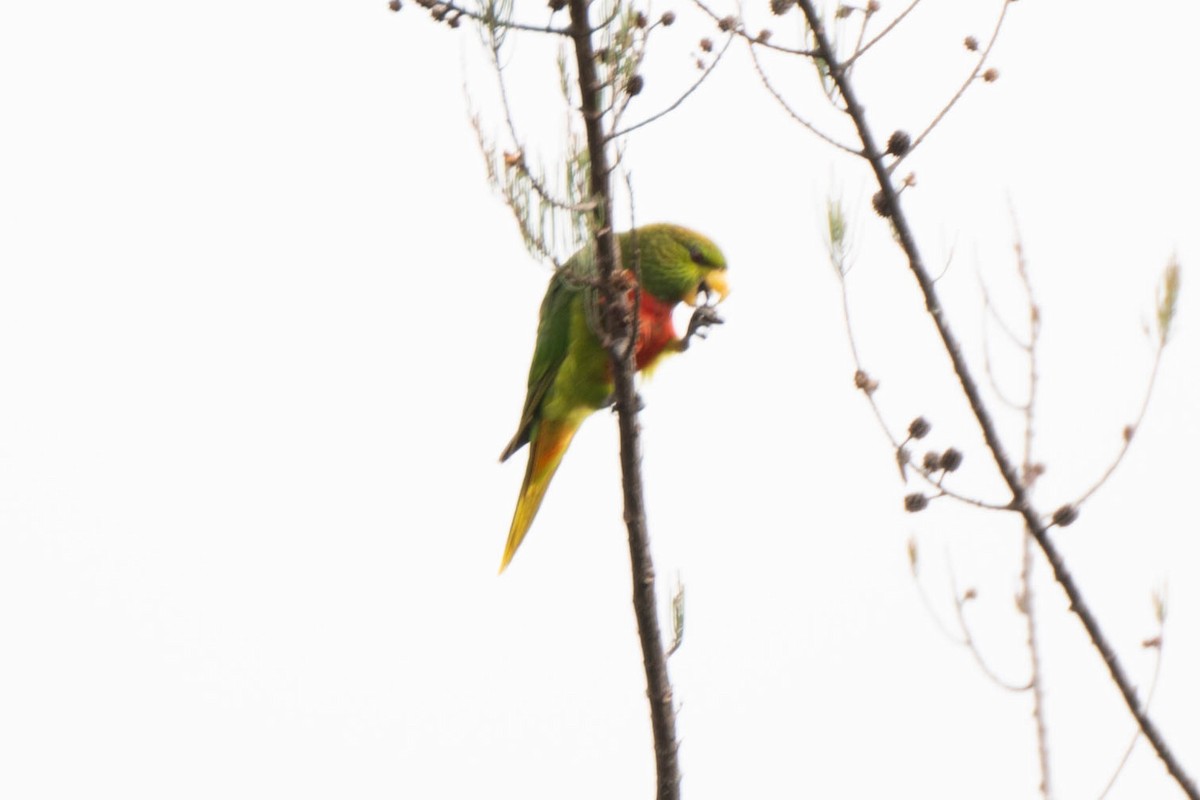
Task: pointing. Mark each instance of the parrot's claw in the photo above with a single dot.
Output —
(638, 404)
(703, 318)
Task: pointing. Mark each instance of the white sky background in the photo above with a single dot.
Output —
(264, 330)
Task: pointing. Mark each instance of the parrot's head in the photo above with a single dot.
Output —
(680, 264)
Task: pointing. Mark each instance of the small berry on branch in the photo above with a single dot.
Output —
(1065, 516)
(951, 460)
(881, 205)
(899, 143)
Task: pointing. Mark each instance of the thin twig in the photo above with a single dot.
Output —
(1157, 644)
(990, 312)
(945, 630)
(869, 393)
(487, 20)
(960, 601)
(1028, 475)
(961, 90)
(858, 51)
(1129, 433)
(762, 75)
(862, 29)
(679, 100)
(739, 29)
(1021, 502)
(1025, 603)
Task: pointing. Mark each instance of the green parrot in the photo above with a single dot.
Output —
(571, 375)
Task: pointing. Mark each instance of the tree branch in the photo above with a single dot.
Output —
(888, 203)
(619, 327)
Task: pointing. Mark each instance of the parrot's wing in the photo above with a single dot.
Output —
(553, 339)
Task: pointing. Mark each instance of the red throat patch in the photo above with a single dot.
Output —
(655, 329)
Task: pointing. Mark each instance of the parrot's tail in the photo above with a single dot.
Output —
(545, 454)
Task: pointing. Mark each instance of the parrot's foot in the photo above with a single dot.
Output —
(639, 405)
(703, 318)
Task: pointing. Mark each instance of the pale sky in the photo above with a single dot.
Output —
(264, 330)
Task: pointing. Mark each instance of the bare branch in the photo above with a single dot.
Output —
(1129, 432)
(960, 601)
(1028, 475)
(735, 26)
(889, 205)
(961, 90)
(762, 75)
(444, 9)
(619, 324)
(1155, 643)
(679, 100)
(859, 50)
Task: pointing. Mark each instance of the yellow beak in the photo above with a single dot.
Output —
(713, 282)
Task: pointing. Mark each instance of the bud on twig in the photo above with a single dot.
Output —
(950, 460)
(991, 75)
(865, 382)
(668, 18)
(918, 428)
(971, 43)
(1168, 298)
(781, 7)
(915, 502)
(899, 144)
(1065, 516)
(880, 203)
(635, 84)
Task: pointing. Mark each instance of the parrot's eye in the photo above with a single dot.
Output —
(698, 257)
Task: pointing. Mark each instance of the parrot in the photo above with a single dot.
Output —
(571, 374)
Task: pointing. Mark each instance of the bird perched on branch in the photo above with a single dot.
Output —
(571, 374)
